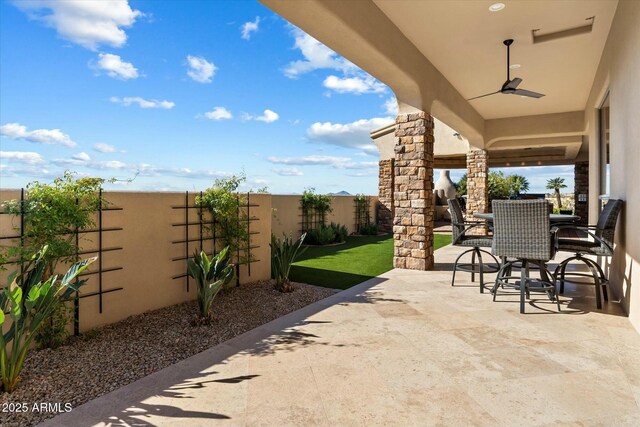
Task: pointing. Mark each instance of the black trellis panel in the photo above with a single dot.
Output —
(207, 232)
(100, 250)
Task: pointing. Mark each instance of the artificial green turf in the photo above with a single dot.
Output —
(343, 266)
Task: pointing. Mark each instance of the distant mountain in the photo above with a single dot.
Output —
(340, 193)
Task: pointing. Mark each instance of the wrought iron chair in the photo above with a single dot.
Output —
(601, 245)
(459, 228)
(523, 238)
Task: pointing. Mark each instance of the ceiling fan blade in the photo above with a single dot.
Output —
(513, 83)
(482, 96)
(530, 94)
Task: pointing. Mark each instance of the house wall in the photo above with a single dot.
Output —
(618, 73)
(286, 213)
(146, 257)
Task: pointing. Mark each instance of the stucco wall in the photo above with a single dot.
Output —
(286, 214)
(146, 239)
(618, 72)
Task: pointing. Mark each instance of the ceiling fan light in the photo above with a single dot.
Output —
(514, 66)
(496, 7)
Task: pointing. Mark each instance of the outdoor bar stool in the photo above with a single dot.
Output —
(601, 245)
(523, 238)
(459, 228)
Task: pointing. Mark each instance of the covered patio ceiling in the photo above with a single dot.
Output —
(436, 54)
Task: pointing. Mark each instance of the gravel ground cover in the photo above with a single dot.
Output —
(116, 355)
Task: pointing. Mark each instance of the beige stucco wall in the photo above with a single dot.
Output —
(445, 142)
(618, 72)
(286, 213)
(146, 277)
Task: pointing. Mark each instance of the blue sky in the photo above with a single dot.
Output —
(182, 92)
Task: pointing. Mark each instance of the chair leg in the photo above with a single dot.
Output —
(455, 265)
(596, 278)
(481, 268)
(499, 275)
(473, 263)
(563, 270)
(523, 284)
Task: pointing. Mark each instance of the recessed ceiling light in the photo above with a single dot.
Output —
(514, 66)
(496, 7)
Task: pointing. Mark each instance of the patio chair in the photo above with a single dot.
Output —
(523, 238)
(602, 245)
(460, 237)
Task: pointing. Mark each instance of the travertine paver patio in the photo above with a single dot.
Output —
(401, 349)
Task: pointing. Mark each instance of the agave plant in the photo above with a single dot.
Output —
(29, 303)
(211, 275)
(283, 253)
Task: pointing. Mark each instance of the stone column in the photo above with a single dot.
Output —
(413, 192)
(581, 186)
(385, 208)
(477, 182)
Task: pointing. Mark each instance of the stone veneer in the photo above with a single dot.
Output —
(477, 186)
(413, 192)
(385, 208)
(581, 186)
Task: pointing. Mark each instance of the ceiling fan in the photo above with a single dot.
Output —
(510, 87)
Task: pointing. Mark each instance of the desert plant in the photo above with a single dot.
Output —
(30, 302)
(556, 184)
(226, 206)
(283, 253)
(211, 275)
(517, 184)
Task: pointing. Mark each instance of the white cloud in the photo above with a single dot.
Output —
(317, 160)
(250, 27)
(268, 116)
(28, 157)
(200, 70)
(316, 56)
(104, 148)
(115, 67)
(82, 156)
(356, 85)
(39, 136)
(218, 113)
(349, 135)
(391, 106)
(87, 23)
(143, 103)
(288, 172)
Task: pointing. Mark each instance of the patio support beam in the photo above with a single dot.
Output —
(477, 183)
(413, 192)
(385, 208)
(581, 186)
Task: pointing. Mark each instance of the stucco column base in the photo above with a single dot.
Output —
(413, 192)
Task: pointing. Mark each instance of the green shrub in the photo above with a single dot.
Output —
(283, 254)
(52, 212)
(211, 275)
(369, 230)
(226, 206)
(327, 234)
(340, 232)
(30, 302)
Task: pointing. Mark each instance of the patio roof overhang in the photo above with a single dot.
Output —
(436, 54)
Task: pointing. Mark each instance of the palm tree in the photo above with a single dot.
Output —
(556, 184)
(518, 184)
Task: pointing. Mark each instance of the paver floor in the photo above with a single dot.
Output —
(403, 349)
